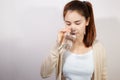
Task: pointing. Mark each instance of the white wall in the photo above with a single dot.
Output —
(28, 28)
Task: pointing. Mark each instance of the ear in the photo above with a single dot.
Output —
(87, 22)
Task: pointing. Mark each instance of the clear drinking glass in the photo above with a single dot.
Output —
(69, 39)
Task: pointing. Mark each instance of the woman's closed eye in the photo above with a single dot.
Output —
(68, 24)
(77, 23)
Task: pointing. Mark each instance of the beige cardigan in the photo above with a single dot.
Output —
(55, 61)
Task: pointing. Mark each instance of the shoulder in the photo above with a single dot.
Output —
(99, 50)
(98, 46)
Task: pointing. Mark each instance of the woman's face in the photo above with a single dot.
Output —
(76, 21)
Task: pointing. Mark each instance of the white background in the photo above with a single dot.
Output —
(28, 29)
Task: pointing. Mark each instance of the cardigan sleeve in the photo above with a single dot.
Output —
(48, 65)
(104, 65)
(99, 47)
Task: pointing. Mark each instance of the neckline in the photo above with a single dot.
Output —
(83, 54)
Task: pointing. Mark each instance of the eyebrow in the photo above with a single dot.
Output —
(74, 21)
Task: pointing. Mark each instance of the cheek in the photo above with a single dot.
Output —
(81, 29)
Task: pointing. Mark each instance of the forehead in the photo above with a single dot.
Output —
(73, 16)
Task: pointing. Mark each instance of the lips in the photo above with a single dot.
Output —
(72, 33)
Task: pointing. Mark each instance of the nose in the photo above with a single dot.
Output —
(73, 31)
(72, 27)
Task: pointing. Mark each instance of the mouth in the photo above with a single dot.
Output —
(73, 32)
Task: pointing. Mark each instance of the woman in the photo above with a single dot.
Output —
(85, 60)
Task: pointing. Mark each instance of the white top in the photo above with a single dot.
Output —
(78, 66)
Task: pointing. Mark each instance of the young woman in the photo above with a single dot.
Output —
(86, 59)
